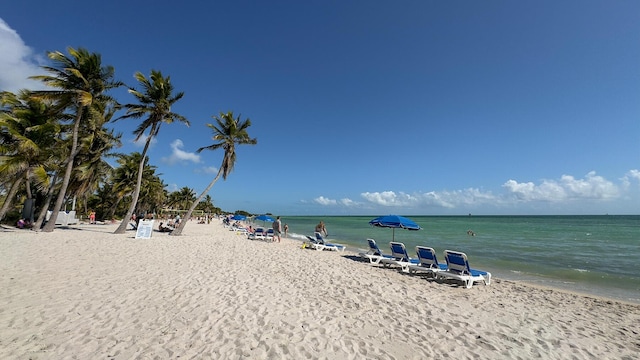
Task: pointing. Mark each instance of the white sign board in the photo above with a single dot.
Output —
(145, 229)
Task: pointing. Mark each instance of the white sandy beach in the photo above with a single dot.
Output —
(84, 293)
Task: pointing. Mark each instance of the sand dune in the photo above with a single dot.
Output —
(84, 293)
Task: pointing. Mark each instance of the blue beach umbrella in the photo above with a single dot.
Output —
(393, 222)
(265, 218)
(238, 217)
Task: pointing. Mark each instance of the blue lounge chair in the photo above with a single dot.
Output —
(321, 244)
(428, 262)
(374, 254)
(258, 234)
(268, 236)
(458, 268)
(399, 257)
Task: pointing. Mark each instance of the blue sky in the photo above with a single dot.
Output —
(374, 107)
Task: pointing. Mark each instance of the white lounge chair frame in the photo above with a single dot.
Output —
(374, 254)
(428, 262)
(458, 268)
(268, 235)
(258, 234)
(399, 257)
(320, 245)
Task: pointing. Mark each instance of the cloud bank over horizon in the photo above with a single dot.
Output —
(567, 190)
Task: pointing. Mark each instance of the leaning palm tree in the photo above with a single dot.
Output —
(79, 81)
(27, 133)
(229, 132)
(154, 101)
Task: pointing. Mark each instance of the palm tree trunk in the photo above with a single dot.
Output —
(47, 202)
(12, 193)
(28, 184)
(134, 200)
(183, 223)
(51, 224)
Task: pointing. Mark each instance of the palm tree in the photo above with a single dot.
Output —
(79, 81)
(154, 102)
(185, 197)
(228, 132)
(206, 204)
(96, 143)
(27, 132)
(125, 175)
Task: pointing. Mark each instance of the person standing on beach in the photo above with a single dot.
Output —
(277, 228)
(286, 230)
(321, 228)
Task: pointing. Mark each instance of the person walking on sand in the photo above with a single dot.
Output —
(277, 229)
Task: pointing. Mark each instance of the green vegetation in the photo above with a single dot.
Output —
(54, 144)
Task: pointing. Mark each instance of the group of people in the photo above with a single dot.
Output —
(169, 225)
(278, 229)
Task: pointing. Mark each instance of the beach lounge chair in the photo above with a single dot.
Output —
(427, 262)
(258, 234)
(399, 257)
(458, 268)
(374, 254)
(321, 244)
(239, 230)
(268, 236)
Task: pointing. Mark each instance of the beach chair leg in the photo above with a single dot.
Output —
(487, 279)
(469, 283)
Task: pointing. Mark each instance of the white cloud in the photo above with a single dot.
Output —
(208, 170)
(634, 174)
(631, 175)
(389, 198)
(178, 155)
(592, 187)
(331, 202)
(567, 191)
(324, 201)
(348, 202)
(142, 141)
(444, 199)
(172, 187)
(17, 62)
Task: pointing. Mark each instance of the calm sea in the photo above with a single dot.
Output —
(598, 255)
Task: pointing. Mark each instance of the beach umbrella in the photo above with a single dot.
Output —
(265, 219)
(393, 222)
(238, 217)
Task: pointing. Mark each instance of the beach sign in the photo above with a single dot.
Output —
(145, 229)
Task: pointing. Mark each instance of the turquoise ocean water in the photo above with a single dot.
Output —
(597, 255)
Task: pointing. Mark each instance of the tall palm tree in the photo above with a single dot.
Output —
(79, 81)
(96, 144)
(154, 101)
(27, 132)
(228, 132)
